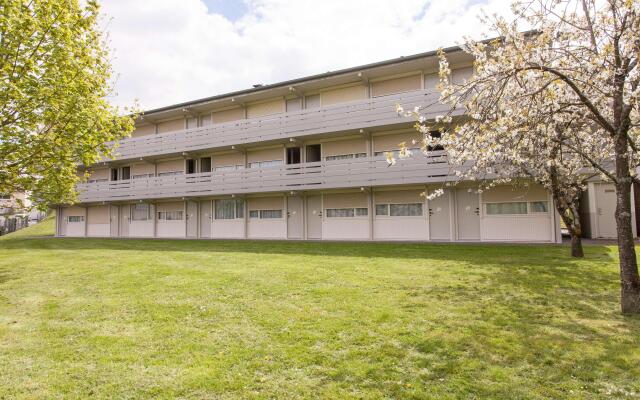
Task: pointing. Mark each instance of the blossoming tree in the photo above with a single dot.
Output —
(557, 104)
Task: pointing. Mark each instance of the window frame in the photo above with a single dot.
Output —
(260, 213)
(79, 217)
(352, 212)
(528, 204)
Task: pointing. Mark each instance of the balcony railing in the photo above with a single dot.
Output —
(361, 172)
(379, 111)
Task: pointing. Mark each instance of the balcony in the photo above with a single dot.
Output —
(379, 111)
(362, 172)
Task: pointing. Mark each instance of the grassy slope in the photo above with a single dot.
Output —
(232, 319)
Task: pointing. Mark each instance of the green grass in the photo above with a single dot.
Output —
(231, 319)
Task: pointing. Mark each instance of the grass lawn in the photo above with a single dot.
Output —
(243, 319)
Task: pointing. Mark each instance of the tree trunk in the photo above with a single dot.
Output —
(576, 245)
(629, 280)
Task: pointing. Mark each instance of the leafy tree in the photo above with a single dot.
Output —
(54, 79)
(556, 104)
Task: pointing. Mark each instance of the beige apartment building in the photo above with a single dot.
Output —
(305, 159)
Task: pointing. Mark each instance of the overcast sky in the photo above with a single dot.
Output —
(169, 51)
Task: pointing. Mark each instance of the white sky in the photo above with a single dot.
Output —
(169, 51)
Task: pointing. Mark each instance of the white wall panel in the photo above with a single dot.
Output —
(227, 228)
(400, 228)
(517, 228)
(171, 229)
(267, 228)
(142, 228)
(345, 228)
(98, 230)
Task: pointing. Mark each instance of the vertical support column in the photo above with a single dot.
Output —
(304, 217)
(198, 217)
(286, 216)
(453, 231)
(556, 232)
(593, 209)
(246, 212)
(186, 217)
(370, 204)
(155, 220)
(58, 221)
(426, 210)
(480, 216)
(86, 221)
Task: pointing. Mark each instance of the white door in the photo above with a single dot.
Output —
(439, 219)
(605, 210)
(314, 217)
(114, 220)
(192, 219)
(468, 214)
(294, 217)
(124, 220)
(205, 219)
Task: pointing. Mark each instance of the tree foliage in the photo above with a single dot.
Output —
(55, 76)
(556, 104)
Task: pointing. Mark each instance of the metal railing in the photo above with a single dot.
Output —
(360, 172)
(378, 111)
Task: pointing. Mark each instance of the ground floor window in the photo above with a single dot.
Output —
(75, 218)
(517, 208)
(347, 212)
(140, 212)
(399, 210)
(170, 215)
(229, 208)
(265, 214)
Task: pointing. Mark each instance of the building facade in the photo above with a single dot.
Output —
(302, 159)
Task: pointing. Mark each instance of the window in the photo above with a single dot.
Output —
(312, 101)
(5, 197)
(93, 181)
(205, 164)
(205, 120)
(399, 210)
(140, 212)
(114, 174)
(142, 176)
(265, 214)
(191, 166)
(170, 173)
(435, 135)
(126, 173)
(263, 164)
(294, 104)
(346, 212)
(170, 215)
(538, 207)
(382, 209)
(506, 208)
(75, 218)
(192, 122)
(345, 156)
(405, 210)
(229, 209)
